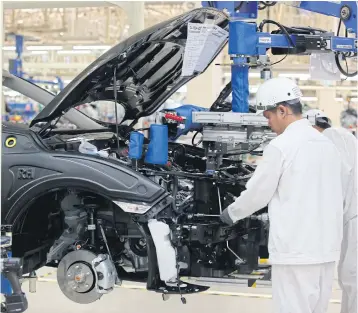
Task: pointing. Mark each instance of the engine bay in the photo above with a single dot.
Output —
(202, 182)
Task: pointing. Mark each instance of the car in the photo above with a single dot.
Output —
(76, 200)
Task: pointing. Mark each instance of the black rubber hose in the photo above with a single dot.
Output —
(345, 73)
(283, 28)
(339, 27)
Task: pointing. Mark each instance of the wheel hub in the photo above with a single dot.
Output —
(80, 277)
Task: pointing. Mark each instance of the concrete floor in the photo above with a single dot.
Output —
(126, 299)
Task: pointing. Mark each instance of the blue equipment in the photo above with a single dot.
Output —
(158, 147)
(15, 66)
(186, 111)
(248, 43)
(136, 145)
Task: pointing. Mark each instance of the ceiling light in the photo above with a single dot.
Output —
(354, 99)
(44, 48)
(312, 99)
(295, 75)
(354, 78)
(39, 52)
(339, 99)
(251, 75)
(91, 47)
(74, 52)
(9, 48)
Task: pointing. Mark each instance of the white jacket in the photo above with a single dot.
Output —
(346, 144)
(299, 177)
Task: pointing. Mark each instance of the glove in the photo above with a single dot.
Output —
(225, 217)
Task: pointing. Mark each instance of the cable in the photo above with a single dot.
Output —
(339, 27)
(239, 6)
(192, 139)
(266, 4)
(262, 5)
(280, 60)
(344, 56)
(223, 95)
(269, 3)
(345, 73)
(283, 28)
(115, 103)
(345, 59)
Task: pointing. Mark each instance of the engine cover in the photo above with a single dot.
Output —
(84, 276)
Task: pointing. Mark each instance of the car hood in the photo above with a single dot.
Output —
(148, 69)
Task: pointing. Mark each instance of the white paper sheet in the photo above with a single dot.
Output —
(202, 44)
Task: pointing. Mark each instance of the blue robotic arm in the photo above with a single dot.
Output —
(346, 10)
(248, 43)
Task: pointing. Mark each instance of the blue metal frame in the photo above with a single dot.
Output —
(333, 9)
(248, 9)
(245, 40)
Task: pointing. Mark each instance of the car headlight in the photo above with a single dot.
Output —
(135, 208)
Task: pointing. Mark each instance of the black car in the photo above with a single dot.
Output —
(101, 220)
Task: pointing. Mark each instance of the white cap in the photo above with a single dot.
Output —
(276, 90)
(315, 116)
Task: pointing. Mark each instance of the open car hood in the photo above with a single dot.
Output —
(148, 69)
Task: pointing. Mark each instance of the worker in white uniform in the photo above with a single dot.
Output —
(346, 144)
(299, 178)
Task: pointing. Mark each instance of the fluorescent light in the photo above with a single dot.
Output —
(354, 99)
(252, 75)
(74, 52)
(295, 75)
(312, 99)
(39, 52)
(355, 78)
(339, 99)
(9, 48)
(91, 47)
(44, 47)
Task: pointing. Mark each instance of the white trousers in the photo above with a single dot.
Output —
(302, 288)
(347, 267)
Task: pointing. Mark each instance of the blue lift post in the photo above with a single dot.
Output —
(245, 41)
(15, 66)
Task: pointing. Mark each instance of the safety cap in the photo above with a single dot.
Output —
(317, 118)
(275, 91)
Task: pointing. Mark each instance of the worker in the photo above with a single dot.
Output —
(346, 144)
(299, 178)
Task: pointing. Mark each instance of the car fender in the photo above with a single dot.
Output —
(29, 176)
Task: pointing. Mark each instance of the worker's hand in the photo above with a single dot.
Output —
(225, 218)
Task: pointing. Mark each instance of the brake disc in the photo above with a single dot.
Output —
(76, 277)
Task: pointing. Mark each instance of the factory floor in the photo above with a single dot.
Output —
(134, 298)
